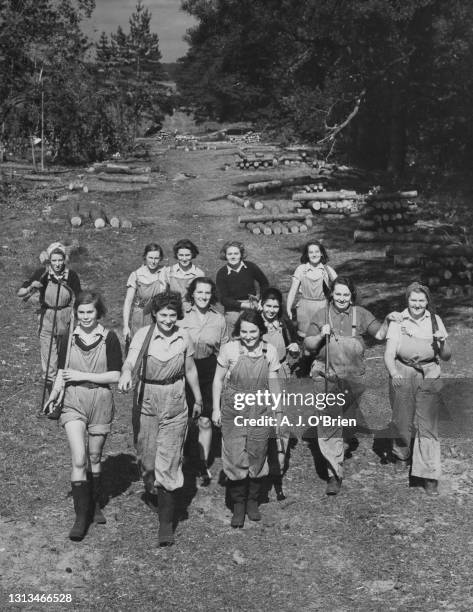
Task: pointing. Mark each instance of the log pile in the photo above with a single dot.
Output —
(244, 162)
(276, 224)
(80, 214)
(341, 202)
(273, 206)
(385, 214)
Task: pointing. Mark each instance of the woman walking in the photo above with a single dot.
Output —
(415, 345)
(248, 365)
(180, 275)
(89, 364)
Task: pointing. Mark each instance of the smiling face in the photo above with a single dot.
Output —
(184, 257)
(233, 256)
(314, 255)
(417, 304)
(341, 297)
(87, 316)
(202, 294)
(250, 334)
(166, 320)
(270, 309)
(152, 259)
(57, 262)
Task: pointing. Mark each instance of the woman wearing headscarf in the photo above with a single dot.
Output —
(415, 345)
(238, 282)
(58, 286)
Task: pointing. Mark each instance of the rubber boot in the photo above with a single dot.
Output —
(166, 516)
(238, 493)
(252, 510)
(81, 497)
(150, 496)
(96, 498)
(277, 483)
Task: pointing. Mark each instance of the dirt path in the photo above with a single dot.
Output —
(377, 546)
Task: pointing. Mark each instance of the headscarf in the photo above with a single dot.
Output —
(56, 246)
(420, 287)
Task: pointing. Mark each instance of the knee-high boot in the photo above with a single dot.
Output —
(254, 488)
(96, 513)
(238, 491)
(81, 497)
(166, 516)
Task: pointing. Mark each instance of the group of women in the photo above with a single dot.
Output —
(194, 345)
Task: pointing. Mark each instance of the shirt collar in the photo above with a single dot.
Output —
(210, 309)
(242, 265)
(177, 333)
(309, 266)
(406, 315)
(191, 271)
(98, 331)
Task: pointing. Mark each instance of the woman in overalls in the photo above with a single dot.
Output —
(179, 276)
(58, 286)
(247, 365)
(281, 333)
(142, 285)
(309, 279)
(415, 344)
(344, 324)
(162, 353)
(208, 330)
(89, 365)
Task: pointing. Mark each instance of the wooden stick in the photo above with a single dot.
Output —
(325, 196)
(281, 217)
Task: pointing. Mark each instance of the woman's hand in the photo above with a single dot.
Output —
(54, 400)
(217, 418)
(74, 375)
(326, 329)
(396, 379)
(126, 332)
(394, 316)
(125, 382)
(197, 410)
(438, 335)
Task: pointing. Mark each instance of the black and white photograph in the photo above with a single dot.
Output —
(236, 337)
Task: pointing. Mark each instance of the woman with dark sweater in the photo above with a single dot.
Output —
(237, 282)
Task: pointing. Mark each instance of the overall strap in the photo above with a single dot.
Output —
(353, 321)
(435, 328)
(143, 360)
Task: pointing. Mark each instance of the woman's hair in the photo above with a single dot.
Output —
(232, 243)
(250, 316)
(167, 299)
(91, 297)
(418, 287)
(344, 280)
(204, 280)
(153, 246)
(185, 244)
(57, 252)
(305, 251)
(271, 293)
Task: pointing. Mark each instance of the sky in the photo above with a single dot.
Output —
(168, 22)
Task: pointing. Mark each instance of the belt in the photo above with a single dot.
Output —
(48, 307)
(164, 381)
(88, 385)
(418, 364)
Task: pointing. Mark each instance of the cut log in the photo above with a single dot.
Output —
(126, 224)
(324, 208)
(267, 231)
(124, 179)
(114, 220)
(244, 202)
(277, 228)
(265, 218)
(264, 186)
(398, 195)
(406, 261)
(74, 215)
(325, 196)
(257, 205)
(97, 217)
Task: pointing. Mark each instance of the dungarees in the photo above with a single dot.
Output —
(141, 314)
(86, 401)
(416, 406)
(180, 286)
(311, 301)
(163, 421)
(61, 328)
(346, 375)
(244, 448)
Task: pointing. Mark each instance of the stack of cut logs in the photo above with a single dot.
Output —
(385, 214)
(258, 160)
(79, 214)
(290, 223)
(330, 203)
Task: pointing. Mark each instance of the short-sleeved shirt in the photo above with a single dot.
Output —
(366, 323)
(177, 272)
(208, 334)
(230, 353)
(315, 273)
(144, 276)
(161, 347)
(112, 347)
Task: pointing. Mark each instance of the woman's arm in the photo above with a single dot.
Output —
(104, 378)
(390, 361)
(217, 387)
(313, 343)
(332, 275)
(130, 294)
(291, 296)
(193, 381)
(445, 351)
